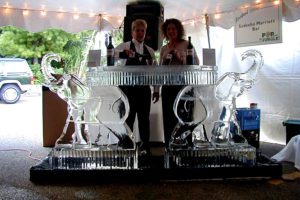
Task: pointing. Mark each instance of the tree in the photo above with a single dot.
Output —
(13, 42)
(16, 42)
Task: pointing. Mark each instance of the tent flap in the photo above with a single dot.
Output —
(33, 21)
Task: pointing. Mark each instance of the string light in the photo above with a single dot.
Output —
(43, 13)
(246, 6)
(60, 15)
(25, 12)
(217, 16)
(184, 23)
(105, 17)
(6, 11)
(91, 14)
(76, 16)
(192, 22)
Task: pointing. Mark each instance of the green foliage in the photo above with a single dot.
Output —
(74, 51)
(39, 78)
(55, 40)
(37, 73)
(16, 42)
(13, 42)
(117, 36)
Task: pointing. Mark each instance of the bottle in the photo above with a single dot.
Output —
(190, 53)
(110, 53)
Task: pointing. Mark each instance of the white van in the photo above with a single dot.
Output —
(15, 79)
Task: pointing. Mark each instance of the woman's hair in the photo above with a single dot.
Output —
(138, 22)
(177, 24)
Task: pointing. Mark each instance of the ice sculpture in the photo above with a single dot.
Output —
(228, 87)
(88, 106)
(69, 88)
(192, 107)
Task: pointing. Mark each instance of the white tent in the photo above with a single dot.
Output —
(78, 15)
(278, 86)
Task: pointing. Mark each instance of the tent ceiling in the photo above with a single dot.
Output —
(182, 9)
(113, 12)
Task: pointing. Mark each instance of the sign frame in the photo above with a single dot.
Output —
(259, 25)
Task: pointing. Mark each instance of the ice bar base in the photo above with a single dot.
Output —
(87, 159)
(229, 156)
(178, 170)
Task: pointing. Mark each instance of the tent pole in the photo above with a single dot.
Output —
(207, 28)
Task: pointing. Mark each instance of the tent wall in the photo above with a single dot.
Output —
(277, 89)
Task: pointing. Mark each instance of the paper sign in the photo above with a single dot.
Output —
(94, 58)
(258, 25)
(209, 57)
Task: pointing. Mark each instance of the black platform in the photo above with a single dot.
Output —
(264, 168)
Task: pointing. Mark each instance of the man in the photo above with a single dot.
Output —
(135, 52)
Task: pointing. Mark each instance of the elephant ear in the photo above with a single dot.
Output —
(47, 69)
(255, 61)
(188, 107)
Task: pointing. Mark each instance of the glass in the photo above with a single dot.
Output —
(174, 57)
(119, 61)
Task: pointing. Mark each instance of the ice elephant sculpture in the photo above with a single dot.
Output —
(192, 107)
(229, 87)
(88, 106)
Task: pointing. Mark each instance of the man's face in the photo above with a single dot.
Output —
(139, 33)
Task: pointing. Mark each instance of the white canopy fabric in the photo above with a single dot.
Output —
(290, 153)
(78, 15)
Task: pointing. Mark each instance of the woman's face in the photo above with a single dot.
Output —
(139, 33)
(172, 32)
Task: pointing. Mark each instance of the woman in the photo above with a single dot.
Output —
(173, 53)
